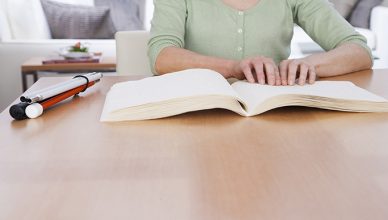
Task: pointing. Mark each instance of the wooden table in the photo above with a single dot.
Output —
(290, 163)
(34, 65)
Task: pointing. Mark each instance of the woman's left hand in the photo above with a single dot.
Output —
(297, 70)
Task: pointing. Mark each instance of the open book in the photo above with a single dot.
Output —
(200, 89)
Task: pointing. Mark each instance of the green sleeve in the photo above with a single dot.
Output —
(167, 27)
(325, 25)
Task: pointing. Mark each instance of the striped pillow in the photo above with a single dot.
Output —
(125, 14)
(67, 21)
(360, 16)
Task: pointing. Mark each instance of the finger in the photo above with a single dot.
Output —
(303, 71)
(259, 69)
(312, 75)
(270, 73)
(283, 68)
(292, 69)
(246, 68)
(277, 77)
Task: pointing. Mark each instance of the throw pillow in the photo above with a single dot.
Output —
(124, 13)
(67, 21)
(344, 7)
(360, 16)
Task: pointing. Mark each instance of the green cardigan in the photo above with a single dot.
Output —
(210, 27)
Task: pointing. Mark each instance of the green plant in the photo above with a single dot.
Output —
(78, 47)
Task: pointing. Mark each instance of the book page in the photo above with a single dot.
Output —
(255, 94)
(180, 85)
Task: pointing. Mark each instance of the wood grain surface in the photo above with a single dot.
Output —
(289, 163)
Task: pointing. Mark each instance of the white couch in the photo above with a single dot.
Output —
(377, 37)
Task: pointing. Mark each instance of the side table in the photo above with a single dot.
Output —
(33, 65)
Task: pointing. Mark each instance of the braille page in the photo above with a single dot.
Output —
(255, 94)
(178, 85)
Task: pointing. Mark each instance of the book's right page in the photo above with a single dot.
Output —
(335, 95)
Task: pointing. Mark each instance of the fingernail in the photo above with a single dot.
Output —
(291, 82)
(262, 82)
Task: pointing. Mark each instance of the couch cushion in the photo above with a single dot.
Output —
(360, 16)
(68, 21)
(344, 7)
(77, 2)
(22, 25)
(126, 14)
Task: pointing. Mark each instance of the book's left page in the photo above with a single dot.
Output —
(169, 94)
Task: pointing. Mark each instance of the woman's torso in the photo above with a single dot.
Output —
(216, 29)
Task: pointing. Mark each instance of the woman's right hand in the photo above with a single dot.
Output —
(257, 69)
